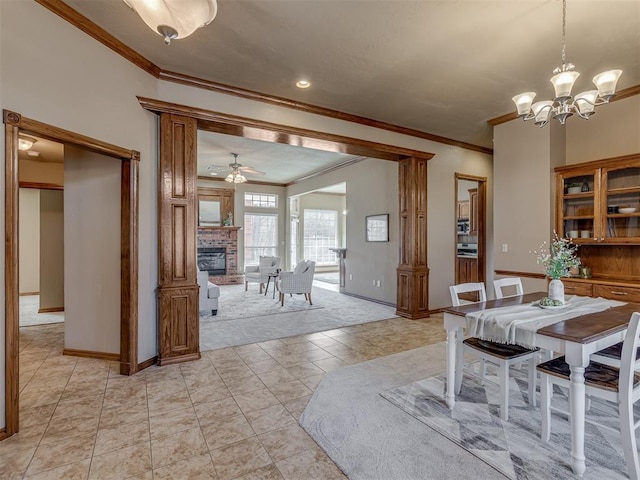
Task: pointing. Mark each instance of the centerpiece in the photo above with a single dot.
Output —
(557, 261)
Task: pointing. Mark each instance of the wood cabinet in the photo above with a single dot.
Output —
(599, 202)
(467, 271)
(463, 209)
(473, 211)
(598, 207)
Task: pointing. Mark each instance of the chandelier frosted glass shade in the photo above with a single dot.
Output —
(174, 18)
(235, 177)
(606, 83)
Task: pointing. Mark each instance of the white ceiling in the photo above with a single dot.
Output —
(47, 151)
(440, 66)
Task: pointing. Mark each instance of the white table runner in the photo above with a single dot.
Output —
(518, 324)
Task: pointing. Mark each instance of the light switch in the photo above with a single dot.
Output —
(505, 247)
(351, 276)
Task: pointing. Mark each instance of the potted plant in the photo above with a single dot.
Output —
(557, 260)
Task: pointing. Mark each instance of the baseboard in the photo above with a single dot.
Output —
(374, 300)
(437, 310)
(3, 433)
(52, 309)
(148, 363)
(27, 294)
(72, 352)
(179, 359)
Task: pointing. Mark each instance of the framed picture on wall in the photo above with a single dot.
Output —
(377, 228)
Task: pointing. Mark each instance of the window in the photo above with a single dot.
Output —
(260, 236)
(320, 234)
(261, 200)
(294, 242)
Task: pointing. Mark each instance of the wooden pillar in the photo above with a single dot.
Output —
(413, 272)
(178, 322)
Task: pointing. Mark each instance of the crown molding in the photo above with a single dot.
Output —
(249, 182)
(98, 33)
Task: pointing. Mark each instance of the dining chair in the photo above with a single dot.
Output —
(507, 282)
(502, 355)
(617, 385)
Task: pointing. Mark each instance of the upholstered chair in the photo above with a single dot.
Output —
(260, 273)
(299, 281)
(209, 293)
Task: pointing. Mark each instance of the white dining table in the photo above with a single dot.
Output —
(577, 338)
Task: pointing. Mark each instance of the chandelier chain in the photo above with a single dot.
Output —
(564, 23)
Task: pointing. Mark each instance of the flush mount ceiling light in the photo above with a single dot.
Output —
(25, 142)
(562, 106)
(303, 84)
(175, 18)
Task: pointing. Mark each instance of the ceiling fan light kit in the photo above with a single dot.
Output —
(175, 18)
(562, 106)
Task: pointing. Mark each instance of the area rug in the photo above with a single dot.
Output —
(248, 317)
(29, 315)
(329, 277)
(514, 447)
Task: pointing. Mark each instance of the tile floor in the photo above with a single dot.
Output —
(231, 415)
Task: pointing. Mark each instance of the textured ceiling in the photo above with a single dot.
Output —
(443, 67)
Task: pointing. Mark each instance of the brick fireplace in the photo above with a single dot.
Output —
(217, 239)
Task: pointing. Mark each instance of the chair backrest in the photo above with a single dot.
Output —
(269, 262)
(454, 290)
(499, 284)
(628, 360)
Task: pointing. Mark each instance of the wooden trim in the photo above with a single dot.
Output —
(218, 122)
(14, 123)
(129, 213)
(11, 301)
(473, 178)
(52, 309)
(248, 182)
(511, 273)
(90, 28)
(3, 434)
(41, 186)
(315, 109)
(369, 299)
(189, 357)
(26, 294)
(72, 352)
(602, 163)
(148, 363)
(624, 93)
(65, 136)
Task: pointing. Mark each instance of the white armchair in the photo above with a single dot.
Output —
(260, 273)
(298, 281)
(209, 293)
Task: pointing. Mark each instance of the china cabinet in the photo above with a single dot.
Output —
(598, 207)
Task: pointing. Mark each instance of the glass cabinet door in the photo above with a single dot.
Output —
(622, 204)
(579, 207)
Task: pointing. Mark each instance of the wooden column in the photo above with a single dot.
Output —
(413, 272)
(178, 322)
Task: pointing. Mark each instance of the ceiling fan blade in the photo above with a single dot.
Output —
(217, 168)
(251, 170)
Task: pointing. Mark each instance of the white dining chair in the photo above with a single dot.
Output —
(507, 282)
(617, 385)
(502, 355)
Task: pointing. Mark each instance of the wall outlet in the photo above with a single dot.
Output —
(377, 283)
(505, 247)
(351, 276)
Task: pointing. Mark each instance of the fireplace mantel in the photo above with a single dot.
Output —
(219, 228)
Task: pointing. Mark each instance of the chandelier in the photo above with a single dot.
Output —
(175, 18)
(562, 106)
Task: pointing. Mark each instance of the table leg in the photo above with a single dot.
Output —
(459, 359)
(451, 367)
(577, 410)
(267, 287)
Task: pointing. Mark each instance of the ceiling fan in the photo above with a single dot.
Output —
(236, 170)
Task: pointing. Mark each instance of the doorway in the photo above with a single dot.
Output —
(16, 124)
(470, 230)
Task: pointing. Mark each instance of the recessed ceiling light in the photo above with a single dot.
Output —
(303, 84)
(214, 174)
(33, 153)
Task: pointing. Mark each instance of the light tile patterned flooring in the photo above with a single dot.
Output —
(231, 415)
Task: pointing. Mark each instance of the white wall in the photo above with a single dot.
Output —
(51, 249)
(29, 235)
(92, 251)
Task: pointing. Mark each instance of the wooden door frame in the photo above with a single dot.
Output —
(482, 221)
(130, 160)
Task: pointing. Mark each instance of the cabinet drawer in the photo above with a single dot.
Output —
(624, 294)
(577, 288)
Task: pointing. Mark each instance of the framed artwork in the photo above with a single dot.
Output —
(377, 228)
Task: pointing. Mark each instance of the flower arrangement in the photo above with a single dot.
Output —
(559, 258)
